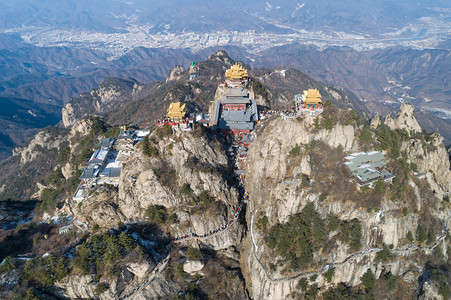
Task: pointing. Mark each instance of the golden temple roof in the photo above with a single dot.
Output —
(176, 109)
(236, 73)
(312, 96)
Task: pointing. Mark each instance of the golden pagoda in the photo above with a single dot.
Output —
(312, 98)
(236, 73)
(176, 111)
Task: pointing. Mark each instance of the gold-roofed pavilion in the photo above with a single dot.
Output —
(312, 98)
(176, 111)
(236, 73)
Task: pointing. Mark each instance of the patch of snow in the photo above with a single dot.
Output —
(146, 243)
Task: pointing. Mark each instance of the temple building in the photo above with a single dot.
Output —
(235, 112)
(236, 76)
(177, 117)
(309, 103)
(176, 112)
(367, 168)
(236, 73)
(312, 98)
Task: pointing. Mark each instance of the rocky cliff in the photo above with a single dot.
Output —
(100, 99)
(276, 181)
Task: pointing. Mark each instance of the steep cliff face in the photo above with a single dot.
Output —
(292, 164)
(42, 141)
(101, 99)
(187, 165)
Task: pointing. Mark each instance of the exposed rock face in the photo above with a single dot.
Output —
(193, 266)
(42, 141)
(80, 128)
(81, 287)
(139, 269)
(175, 73)
(375, 122)
(431, 158)
(390, 122)
(430, 292)
(141, 187)
(101, 99)
(68, 115)
(271, 194)
(406, 120)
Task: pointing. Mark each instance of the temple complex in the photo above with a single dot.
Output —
(309, 103)
(234, 113)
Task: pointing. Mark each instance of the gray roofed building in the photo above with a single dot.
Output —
(88, 173)
(235, 126)
(128, 134)
(111, 172)
(99, 156)
(237, 93)
(106, 142)
(237, 115)
(367, 167)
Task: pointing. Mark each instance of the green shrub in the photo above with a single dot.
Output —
(156, 213)
(302, 284)
(384, 255)
(296, 239)
(368, 279)
(262, 223)
(390, 281)
(421, 234)
(366, 135)
(179, 272)
(101, 288)
(329, 274)
(194, 254)
(379, 186)
(167, 129)
(173, 219)
(322, 198)
(296, 150)
(312, 292)
(327, 122)
(205, 197)
(351, 232)
(7, 265)
(409, 236)
(332, 222)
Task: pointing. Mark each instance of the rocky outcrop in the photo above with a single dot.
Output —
(100, 99)
(390, 122)
(274, 187)
(431, 157)
(175, 74)
(193, 266)
(406, 120)
(375, 122)
(140, 186)
(68, 114)
(42, 141)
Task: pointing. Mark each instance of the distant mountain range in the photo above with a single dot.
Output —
(38, 80)
(53, 75)
(352, 16)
